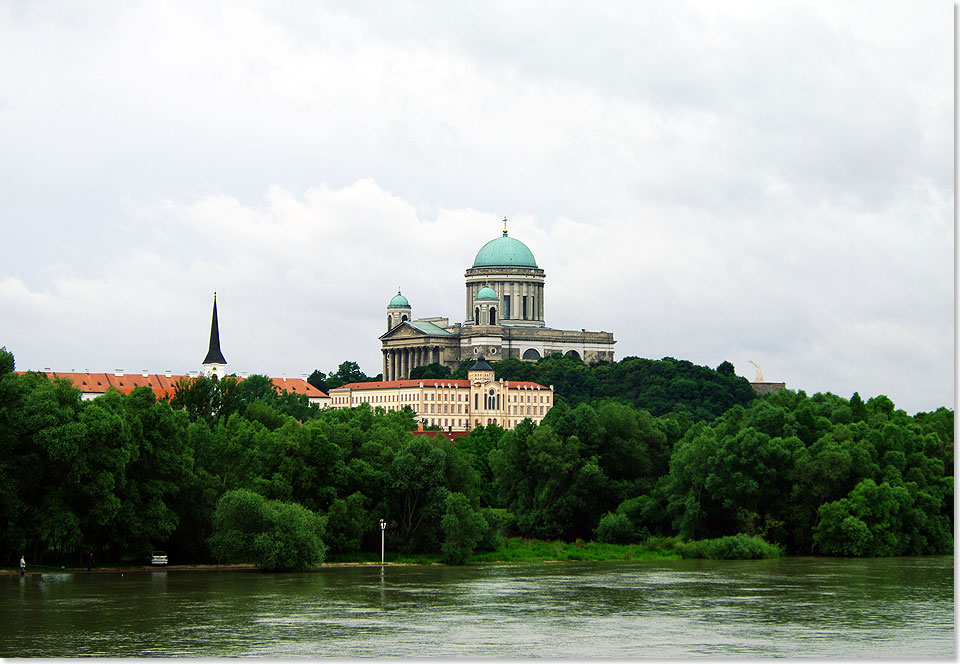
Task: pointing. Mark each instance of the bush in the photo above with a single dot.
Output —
(275, 536)
(615, 528)
(732, 547)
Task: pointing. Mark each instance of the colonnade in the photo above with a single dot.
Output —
(399, 362)
(516, 290)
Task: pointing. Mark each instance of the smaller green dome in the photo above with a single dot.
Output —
(487, 293)
(398, 300)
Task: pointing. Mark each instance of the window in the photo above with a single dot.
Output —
(476, 316)
(506, 306)
(493, 315)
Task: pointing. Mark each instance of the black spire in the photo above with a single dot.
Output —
(214, 356)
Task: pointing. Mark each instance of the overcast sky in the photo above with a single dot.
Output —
(766, 181)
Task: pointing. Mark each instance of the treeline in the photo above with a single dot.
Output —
(232, 470)
(814, 475)
(658, 386)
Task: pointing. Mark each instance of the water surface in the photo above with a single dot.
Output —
(793, 607)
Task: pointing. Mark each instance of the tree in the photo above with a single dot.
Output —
(273, 535)
(463, 528)
(418, 490)
(319, 380)
(347, 372)
(347, 523)
(434, 370)
(726, 369)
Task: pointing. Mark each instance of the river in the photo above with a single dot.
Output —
(792, 607)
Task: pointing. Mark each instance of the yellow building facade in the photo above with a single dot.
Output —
(454, 405)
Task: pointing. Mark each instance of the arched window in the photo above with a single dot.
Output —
(476, 316)
(573, 354)
(403, 318)
(531, 354)
(493, 315)
(389, 322)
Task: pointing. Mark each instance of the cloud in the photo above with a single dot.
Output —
(764, 181)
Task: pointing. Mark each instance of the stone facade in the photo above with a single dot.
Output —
(454, 405)
(504, 317)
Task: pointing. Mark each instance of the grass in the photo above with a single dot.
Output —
(516, 549)
(520, 549)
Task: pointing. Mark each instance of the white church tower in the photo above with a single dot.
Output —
(214, 364)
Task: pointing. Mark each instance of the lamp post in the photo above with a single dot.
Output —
(383, 527)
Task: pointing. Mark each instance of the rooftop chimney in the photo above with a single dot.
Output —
(168, 373)
(144, 373)
(118, 373)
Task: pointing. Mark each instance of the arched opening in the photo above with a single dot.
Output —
(493, 315)
(403, 318)
(389, 322)
(573, 353)
(476, 316)
(531, 354)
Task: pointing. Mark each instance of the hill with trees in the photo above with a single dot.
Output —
(230, 470)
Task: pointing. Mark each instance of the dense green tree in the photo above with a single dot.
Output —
(463, 528)
(434, 370)
(273, 535)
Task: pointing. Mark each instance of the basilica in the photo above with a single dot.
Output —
(505, 316)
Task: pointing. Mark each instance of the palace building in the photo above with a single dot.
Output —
(505, 317)
(454, 405)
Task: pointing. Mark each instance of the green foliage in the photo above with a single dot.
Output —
(731, 547)
(811, 474)
(516, 549)
(615, 528)
(463, 528)
(275, 536)
(7, 363)
(657, 386)
(347, 372)
(434, 370)
(347, 522)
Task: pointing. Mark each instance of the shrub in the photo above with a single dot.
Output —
(275, 536)
(732, 547)
(615, 528)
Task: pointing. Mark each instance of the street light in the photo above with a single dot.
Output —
(383, 527)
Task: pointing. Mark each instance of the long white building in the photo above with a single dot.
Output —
(454, 405)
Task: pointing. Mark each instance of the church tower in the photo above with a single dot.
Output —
(398, 310)
(214, 364)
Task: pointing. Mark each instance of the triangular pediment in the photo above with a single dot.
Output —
(415, 330)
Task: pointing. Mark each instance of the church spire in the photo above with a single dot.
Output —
(214, 355)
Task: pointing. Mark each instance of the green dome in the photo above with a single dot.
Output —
(487, 293)
(504, 252)
(398, 300)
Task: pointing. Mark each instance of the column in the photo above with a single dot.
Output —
(384, 364)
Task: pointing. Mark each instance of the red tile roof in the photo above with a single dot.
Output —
(429, 382)
(161, 385)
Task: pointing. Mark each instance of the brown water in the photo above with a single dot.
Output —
(794, 607)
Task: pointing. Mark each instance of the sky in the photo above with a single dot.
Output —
(768, 181)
